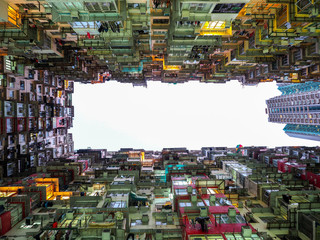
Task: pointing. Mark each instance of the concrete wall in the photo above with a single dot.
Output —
(3, 11)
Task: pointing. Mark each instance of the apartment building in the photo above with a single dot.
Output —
(298, 108)
(36, 112)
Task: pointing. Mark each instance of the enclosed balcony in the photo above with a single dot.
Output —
(218, 28)
(83, 28)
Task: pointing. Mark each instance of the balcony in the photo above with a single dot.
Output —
(13, 16)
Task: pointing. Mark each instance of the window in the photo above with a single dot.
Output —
(133, 5)
(160, 223)
(274, 65)
(297, 55)
(10, 168)
(184, 191)
(312, 49)
(22, 86)
(228, 7)
(117, 205)
(83, 25)
(160, 21)
(11, 94)
(100, 7)
(28, 6)
(197, 6)
(159, 32)
(31, 74)
(285, 60)
(185, 204)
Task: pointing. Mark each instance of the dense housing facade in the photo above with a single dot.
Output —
(170, 41)
(35, 112)
(258, 193)
(49, 191)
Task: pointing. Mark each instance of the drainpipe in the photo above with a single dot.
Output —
(123, 10)
(150, 27)
(36, 15)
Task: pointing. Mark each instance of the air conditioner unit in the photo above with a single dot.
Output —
(228, 24)
(144, 26)
(273, 11)
(232, 212)
(143, 10)
(203, 212)
(75, 14)
(246, 231)
(69, 215)
(194, 198)
(106, 234)
(197, 30)
(185, 14)
(314, 12)
(29, 220)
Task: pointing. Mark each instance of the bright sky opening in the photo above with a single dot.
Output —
(193, 115)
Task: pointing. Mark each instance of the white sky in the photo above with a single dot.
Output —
(193, 115)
